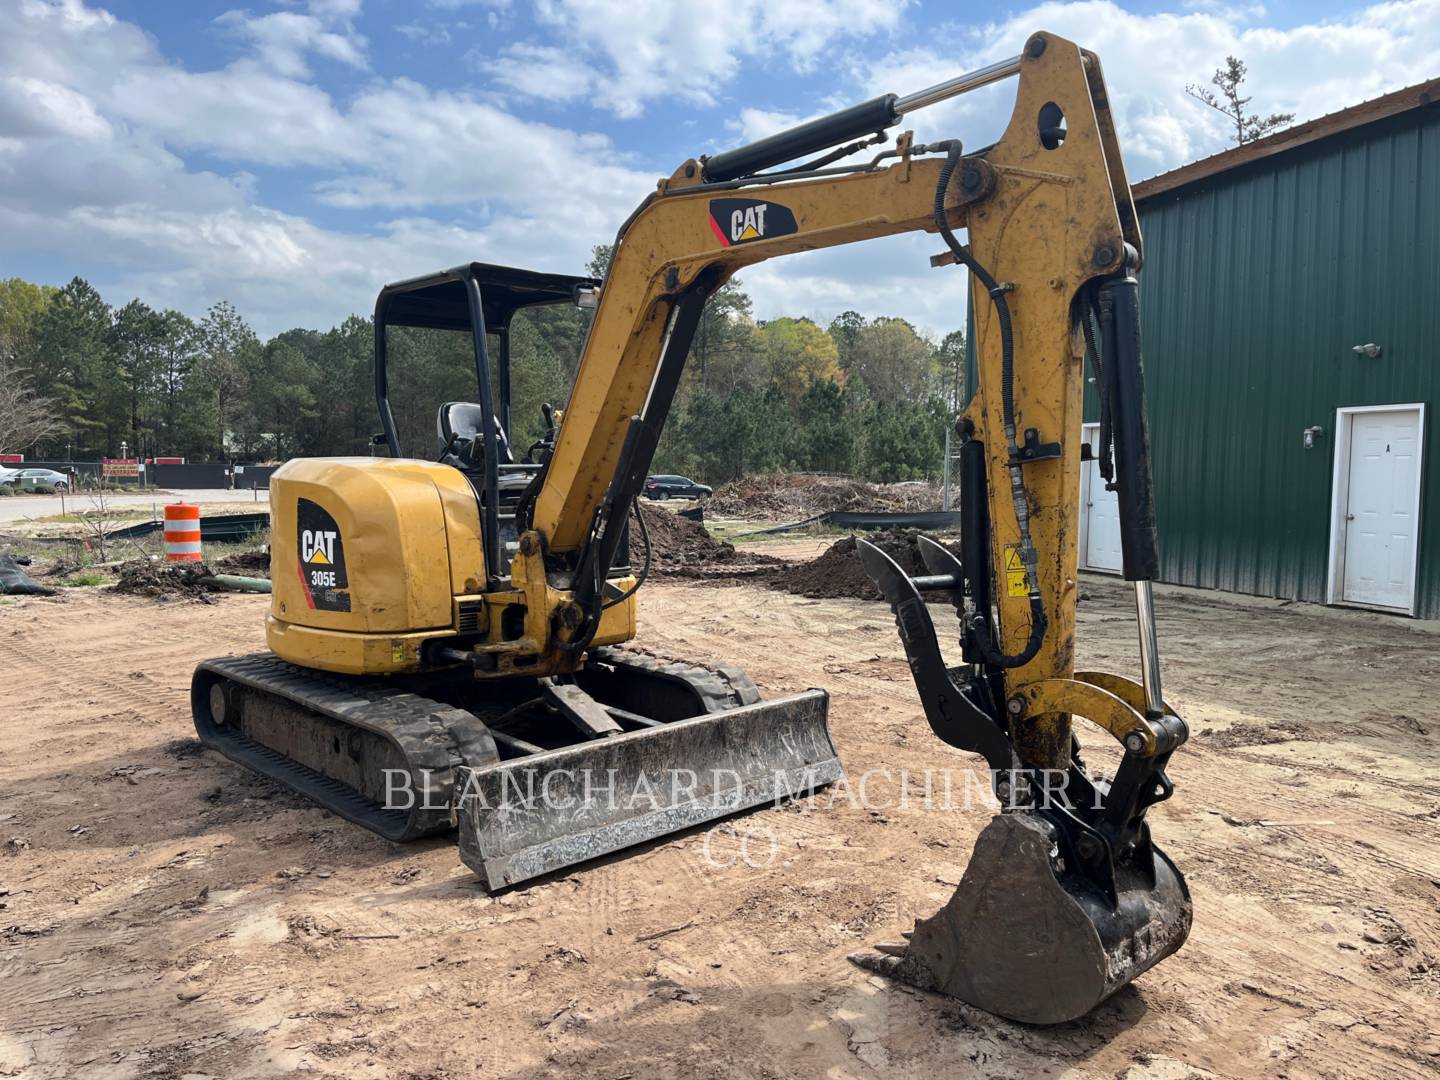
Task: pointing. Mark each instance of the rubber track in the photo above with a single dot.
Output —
(434, 739)
(720, 687)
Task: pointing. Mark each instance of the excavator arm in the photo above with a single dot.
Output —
(1066, 898)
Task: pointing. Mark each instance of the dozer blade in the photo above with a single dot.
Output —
(534, 815)
(1026, 940)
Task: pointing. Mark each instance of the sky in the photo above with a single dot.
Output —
(292, 156)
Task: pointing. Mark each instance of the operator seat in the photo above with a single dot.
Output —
(462, 438)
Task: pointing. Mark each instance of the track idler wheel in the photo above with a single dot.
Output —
(1028, 939)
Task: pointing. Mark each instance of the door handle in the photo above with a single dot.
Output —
(1349, 517)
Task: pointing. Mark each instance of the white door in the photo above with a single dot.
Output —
(1099, 514)
(1381, 508)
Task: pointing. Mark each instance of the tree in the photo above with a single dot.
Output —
(723, 338)
(950, 356)
(826, 437)
(70, 359)
(134, 377)
(175, 346)
(25, 417)
(796, 353)
(21, 305)
(1227, 80)
(281, 400)
(537, 377)
(845, 329)
(340, 362)
(599, 264)
(227, 346)
(893, 361)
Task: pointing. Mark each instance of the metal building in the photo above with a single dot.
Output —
(1291, 308)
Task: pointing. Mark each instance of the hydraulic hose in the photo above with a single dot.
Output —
(980, 624)
(1089, 316)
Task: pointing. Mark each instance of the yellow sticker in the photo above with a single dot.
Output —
(397, 651)
(1015, 572)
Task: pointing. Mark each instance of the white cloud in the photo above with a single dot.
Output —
(94, 120)
(31, 106)
(541, 71)
(96, 124)
(283, 39)
(761, 123)
(1309, 70)
(425, 33)
(627, 54)
(328, 9)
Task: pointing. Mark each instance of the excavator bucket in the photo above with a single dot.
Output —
(540, 813)
(1065, 899)
(1026, 938)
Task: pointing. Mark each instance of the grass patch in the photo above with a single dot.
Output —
(76, 517)
(81, 581)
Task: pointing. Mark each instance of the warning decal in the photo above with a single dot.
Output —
(1014, 572)
(321, 552)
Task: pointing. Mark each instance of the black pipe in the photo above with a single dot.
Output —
(810, 137)
(1125, 373)
(975, 538)
(490, 526)
(382, 386)
(502, 374)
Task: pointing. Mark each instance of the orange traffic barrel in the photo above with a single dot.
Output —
(182, 532)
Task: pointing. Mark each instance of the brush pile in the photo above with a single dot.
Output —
(795, 496)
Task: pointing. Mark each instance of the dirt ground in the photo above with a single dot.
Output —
(167, 915)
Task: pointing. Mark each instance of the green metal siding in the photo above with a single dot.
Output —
(1257, 283)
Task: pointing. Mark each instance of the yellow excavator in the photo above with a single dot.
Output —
(447, 635)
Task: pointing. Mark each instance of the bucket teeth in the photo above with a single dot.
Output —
(897, 966)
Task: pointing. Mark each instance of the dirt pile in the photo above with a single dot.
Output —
(680, 547)
(246, 564)
(163, 581)
(838, 572)
(792, 496)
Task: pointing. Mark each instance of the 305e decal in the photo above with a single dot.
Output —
(741, 221)
(321, 551)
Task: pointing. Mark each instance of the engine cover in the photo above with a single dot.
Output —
(378, 547)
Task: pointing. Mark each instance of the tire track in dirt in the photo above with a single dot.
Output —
(314, 932)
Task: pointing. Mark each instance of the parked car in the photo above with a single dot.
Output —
(666, 486)
(33, 478)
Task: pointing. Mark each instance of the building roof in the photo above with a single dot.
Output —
(1367, 112)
